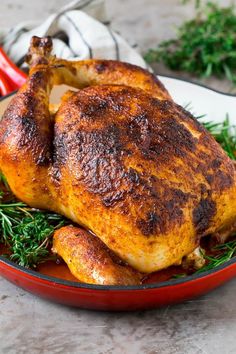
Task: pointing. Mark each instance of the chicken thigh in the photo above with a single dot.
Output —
(120, 159)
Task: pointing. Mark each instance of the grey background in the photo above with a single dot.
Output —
(203, 326)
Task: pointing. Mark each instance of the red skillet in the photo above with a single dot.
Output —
(11, 77)
(115, 298)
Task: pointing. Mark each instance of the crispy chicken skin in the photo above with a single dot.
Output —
(119, 158)
(90, 260)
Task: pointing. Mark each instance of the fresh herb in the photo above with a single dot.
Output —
(3, 181)
(204, 46)
(27, 232)
(226, 252)
(225, 135)
(223, 132)
(179, 275)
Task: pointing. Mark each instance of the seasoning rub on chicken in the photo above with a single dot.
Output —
(119, 158)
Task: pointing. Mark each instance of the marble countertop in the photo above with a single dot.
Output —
(28, 324)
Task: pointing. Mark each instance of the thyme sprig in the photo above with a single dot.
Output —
(204, 46)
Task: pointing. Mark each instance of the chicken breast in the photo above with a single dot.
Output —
(119, 158)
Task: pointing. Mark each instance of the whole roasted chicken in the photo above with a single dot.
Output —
(139, 177)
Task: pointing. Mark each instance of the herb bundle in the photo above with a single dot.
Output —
(27, 232)
(204, 46)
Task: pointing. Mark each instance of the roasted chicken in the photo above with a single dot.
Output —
(120, 159)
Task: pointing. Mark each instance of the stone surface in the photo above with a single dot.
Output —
(203, 326)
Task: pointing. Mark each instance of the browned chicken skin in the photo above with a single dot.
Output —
(88, 257)
(119, 158)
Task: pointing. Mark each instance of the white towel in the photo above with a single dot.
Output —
(80, 30)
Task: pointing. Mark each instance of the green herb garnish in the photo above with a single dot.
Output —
(227, 251)
(204, 46)
(179, 276)
(27, 232)
(225, 135)
(3, 181)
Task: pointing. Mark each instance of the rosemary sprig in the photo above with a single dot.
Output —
(204, 46)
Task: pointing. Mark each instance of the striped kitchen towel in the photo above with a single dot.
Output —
(80, 30)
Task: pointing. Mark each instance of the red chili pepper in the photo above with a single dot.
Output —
(5, 86)
(15, 76)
